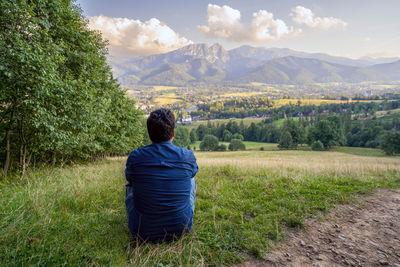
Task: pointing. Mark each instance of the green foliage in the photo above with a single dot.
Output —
(202, 131)
(236, 144)
(296, 131)
(286, 141)
(329, 131)
(182, 136)
(58, 99)
(193, 136)
(209, 143)
(391, 142)
(221, 147)
(227, 136)
(237, 136)
(317, 146)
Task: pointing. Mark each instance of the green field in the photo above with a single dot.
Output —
(76, 215)
(246, 121)
(249, 145)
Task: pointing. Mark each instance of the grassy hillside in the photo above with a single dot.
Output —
(76, 215)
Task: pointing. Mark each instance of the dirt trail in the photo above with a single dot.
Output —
(363, 234)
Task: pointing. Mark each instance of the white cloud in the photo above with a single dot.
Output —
(265, 28)
(302, 15)
(137, 37)
(225, 22)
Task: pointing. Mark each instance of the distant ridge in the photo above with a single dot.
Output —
(213, 64)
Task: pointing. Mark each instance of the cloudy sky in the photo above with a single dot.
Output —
(351, 28)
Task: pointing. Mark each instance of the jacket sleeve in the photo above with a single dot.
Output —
(129, 168)
(194, 164)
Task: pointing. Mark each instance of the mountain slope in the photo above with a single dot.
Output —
(391, 70)
(305, 70)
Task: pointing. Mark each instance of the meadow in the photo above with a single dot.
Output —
(246, 121)
(75, 215)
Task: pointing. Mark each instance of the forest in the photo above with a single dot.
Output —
(351, 124)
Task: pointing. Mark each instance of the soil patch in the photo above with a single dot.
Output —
(363, 234)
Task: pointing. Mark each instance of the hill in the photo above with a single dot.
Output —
(213, 64)
(297, 70)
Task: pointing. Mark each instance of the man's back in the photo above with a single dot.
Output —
(161, 180)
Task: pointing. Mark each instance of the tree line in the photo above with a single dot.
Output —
(58, 99)
(262, 107)
(320, 131)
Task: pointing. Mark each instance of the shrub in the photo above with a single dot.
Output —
(317, 146)
(238, 136)
(236, 144)
(221, 147)
(209, 143)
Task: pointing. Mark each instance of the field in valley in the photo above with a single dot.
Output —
(75, 215)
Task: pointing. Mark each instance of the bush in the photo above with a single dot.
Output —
(209, 143)
(262, 148)
(238, 136)
(221, 147)
(236, 144)
(317, 146)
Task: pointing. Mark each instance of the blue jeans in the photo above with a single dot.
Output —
(193, 194)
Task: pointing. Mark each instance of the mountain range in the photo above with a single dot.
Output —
(201, 63)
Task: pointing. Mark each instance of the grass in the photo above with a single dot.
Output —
(246, 121)
(360, 151)
(76, 215)
(167, 99)
(387, 112)
(280, 122)
(249, 145)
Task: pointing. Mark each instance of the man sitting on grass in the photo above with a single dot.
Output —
(161, 191)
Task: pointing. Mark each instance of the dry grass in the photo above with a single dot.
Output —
(318, 163)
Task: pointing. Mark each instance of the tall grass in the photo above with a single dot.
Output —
(76, 215)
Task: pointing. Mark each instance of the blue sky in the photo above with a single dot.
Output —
(350, 28)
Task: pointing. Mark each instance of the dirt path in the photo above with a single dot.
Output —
(364, 234)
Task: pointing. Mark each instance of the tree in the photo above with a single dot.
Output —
(391, 142)
(193, 136)
(182, 136)
(236, 144)
(285, 141)
(227, 136)
(296, 131)
(209, 143)
(323, 132)
(252, 133)
(202, 131)
(317, 146)
(58, 98)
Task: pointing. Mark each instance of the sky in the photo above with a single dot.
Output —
(350, 28)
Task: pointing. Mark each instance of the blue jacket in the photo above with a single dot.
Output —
(158, 193)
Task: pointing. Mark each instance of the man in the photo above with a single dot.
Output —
(161, 191)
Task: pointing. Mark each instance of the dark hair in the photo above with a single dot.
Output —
(161, 125)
